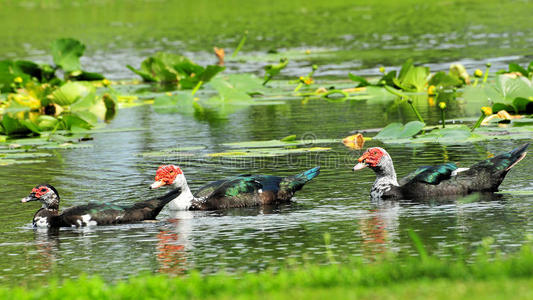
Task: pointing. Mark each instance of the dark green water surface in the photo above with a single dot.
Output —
(358, 37)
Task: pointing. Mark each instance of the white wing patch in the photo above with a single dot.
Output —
(41, 222)
(86, 220)
(459, 170)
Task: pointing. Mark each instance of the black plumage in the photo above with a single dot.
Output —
(251, 190)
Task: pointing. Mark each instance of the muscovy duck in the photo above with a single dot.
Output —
(446, 179)
(92, 213)
(240, 191)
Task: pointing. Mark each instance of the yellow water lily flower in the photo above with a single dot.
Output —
(26, 99)
(487, 110)
(432, 90)
(442, 105)
(306, 80)
(478, 73)
(18, 79)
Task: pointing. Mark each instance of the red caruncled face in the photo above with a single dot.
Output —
(40, 191)
(167, 173)
(371, 157)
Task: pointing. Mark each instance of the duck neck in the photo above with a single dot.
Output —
(185, 200)
(385, 179)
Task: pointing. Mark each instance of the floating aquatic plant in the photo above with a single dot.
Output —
(306, 80)
(39, 108)
(411, 133)
(485, 111)
(172, 68)
(66, 55)
(273, 70)
(514, 94)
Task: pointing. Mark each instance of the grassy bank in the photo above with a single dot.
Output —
(424, 277)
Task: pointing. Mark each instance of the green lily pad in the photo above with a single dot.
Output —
(24, 155)
(399, 131)
(459, 134)
(8, 162)
(174, 152)
(280, 143)
(67, 53)
(71, 92)
(65, 146)
(267, 152)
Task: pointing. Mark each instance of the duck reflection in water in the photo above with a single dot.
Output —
(382, 229)
(174, 242)
(379, 228)
(47, 246)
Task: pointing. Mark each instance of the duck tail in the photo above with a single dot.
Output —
(502, 163)
(488, 174)
(516, 155)
(296, 182)
(309, 174)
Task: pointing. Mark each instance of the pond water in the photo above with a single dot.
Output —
(336, 202)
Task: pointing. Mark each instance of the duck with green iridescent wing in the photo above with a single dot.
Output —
(430, 181)
(239, 191)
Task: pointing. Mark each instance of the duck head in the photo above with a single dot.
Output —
(375, 158)
(169, 175)
(45, 193)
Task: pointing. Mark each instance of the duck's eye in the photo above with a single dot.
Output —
(43, 190)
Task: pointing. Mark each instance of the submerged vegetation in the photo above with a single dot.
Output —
(426, 276)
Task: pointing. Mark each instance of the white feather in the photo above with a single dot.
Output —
(459, 170)
(86, 219)
(41, 222)
(183, 201)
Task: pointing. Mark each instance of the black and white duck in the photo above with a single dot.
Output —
(93, 213)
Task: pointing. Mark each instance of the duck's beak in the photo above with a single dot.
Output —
(157, 184)
(31, 197)
(361, 162)
(359, 166)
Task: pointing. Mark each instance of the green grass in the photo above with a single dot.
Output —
(426, 277)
